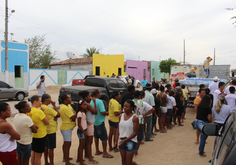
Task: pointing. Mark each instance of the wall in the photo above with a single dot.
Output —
(108, 64)
(73, 67)
(18, 55)
(155, 71)
(136, 69)
(75, 74)
(51, 77)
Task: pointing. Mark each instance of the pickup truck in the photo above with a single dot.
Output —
(105, 85)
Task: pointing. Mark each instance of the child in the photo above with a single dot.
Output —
(114, 113)
(81, 132)
(24, 126)
(7, 137)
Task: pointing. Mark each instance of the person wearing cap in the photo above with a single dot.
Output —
(206, 66)
(156, 113)
(148, 118)
(191, 72)
(233, 84)
(176, 81)
(214, 85)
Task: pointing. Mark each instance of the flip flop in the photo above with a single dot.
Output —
(70, 158)
(94, 162)
(99, 153)
(163, 131)
(196, 143)
(108, 156)
(204, 155)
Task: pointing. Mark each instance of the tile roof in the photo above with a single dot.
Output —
(74, 61)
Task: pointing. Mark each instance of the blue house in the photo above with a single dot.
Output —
(18, 64)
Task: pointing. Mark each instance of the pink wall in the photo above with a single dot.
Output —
(136, 69)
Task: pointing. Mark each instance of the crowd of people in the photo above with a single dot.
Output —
(132, 121)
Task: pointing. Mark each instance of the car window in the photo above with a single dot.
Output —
(113, 83)
(121, 84)
(226, 134)
(94, 82)
(3, 85)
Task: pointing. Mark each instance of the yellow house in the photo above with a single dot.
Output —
(105, 65)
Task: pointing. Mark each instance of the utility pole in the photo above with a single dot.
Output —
(184, 51)
(214, 57)
(6, 41)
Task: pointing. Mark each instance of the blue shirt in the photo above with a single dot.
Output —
(144, 82)
(99, 118)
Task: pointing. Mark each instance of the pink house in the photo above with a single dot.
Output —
(138, 69)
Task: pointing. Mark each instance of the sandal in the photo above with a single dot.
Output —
(196, 143)
(69, 159)
(108, 156)
(94, 162)
(203, 155)
(99, 153)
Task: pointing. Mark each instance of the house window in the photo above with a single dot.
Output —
(153, 72)
(97, 71)
(144, 72)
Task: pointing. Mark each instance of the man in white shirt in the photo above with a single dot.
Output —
(218, 92)
(231, 98)
(233, 84)
(41, 86)
(214, 85)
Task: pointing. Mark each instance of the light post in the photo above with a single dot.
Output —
(6, 39)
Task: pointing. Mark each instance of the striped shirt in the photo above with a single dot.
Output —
(141, 108)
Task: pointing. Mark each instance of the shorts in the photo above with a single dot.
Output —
(185, 104)
(207, 71)
(100, 132)
(180, 111)
(80, 134)
(50, 141)
(191, 75)
(24, 150)
(67, 135)
(164, 109)
(38, 145)
(169, 113)
(129, 146)
(90, 130)
(140, 133)
(7, 158)
(154, 120)
(113, 124)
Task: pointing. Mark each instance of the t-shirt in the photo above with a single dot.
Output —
(141, 108)
(216, 93)
(99, 118)
(114, 106)
(41, 89)
(207, 64)
(197, 100)
(171, 102)
(144, 82)
(126, 96)
(179, 103)
(149, 98)
(153, 84)
(130, 80)
(222, 115)
(213, 86)
(184, 95)
(231, 100)
(66, 112)
(50, 114)
(227, 90)
(37, 116)
(185, 91)
(191, 70)
(83, 119)
(22, 124)
(202, 113)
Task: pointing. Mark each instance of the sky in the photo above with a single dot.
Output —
(141, 30)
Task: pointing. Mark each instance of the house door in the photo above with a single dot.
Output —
(97, 71)
(119, 71)
(19, 78)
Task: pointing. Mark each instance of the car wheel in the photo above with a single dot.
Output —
(105, 105)
(138, 85)
(20, 96)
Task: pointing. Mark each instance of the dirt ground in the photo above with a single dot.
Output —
(176, 147)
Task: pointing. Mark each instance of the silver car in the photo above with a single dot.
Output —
(9, 92)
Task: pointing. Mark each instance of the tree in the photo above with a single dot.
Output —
(234, 17)
(40, 54)
(90, 52)
(165, 65)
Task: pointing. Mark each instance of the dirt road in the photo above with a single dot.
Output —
(173, 148)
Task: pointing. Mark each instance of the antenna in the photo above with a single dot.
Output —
(70, 55)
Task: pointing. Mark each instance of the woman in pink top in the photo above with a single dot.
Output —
(81, 132)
